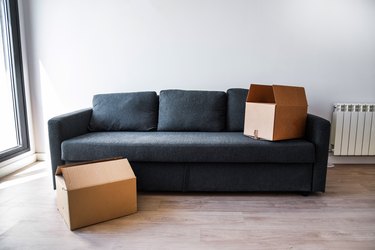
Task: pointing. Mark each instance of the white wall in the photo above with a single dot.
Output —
(77, 48)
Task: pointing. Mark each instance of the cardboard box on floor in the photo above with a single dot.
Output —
(275, 112)
(92, 192)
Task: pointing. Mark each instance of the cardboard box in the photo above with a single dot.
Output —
(92, 192)
(275, 112)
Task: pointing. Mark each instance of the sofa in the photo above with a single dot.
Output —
(186, 140)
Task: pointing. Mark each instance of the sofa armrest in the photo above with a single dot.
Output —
(64, 127)
(318, 132)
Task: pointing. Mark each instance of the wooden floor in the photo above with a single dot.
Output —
(341, 218)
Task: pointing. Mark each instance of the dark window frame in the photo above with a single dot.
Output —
(17, 80)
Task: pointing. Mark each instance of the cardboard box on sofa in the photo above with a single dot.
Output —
(275, 112)
(92, 192)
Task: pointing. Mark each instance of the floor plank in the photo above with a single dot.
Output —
(341, 218)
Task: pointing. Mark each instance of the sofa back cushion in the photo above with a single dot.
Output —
(236, 109)
(136, 111)
(192, 110)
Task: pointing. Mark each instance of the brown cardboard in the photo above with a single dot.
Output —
(275, 112)
(92, 192)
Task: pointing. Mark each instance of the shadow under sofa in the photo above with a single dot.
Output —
(190, 141)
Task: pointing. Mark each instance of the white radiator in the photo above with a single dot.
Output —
(353, 129)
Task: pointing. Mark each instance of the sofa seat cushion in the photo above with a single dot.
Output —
(185, 147)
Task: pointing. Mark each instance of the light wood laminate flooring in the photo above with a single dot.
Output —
(341, 218)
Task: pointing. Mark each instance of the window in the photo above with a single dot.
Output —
(14, 139)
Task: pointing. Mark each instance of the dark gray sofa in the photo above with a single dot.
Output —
(190, 141)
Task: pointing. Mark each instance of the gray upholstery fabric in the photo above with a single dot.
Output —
(185, 147)
(136, 111)
(160, 176)
(222, 177)
(236, 109)
(182, 110)
(63, 127)
(318, 132)
(249, 176)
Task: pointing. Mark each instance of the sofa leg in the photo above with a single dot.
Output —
(305, 193)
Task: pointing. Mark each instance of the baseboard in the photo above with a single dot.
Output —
(16, 163)
(350, 159)
(42, 156)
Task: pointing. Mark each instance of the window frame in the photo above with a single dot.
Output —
(17, 80)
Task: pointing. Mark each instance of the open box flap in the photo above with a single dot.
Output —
(260, 93)
(280, 94)
(59, 172)
(289, 95)
(96, 173)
